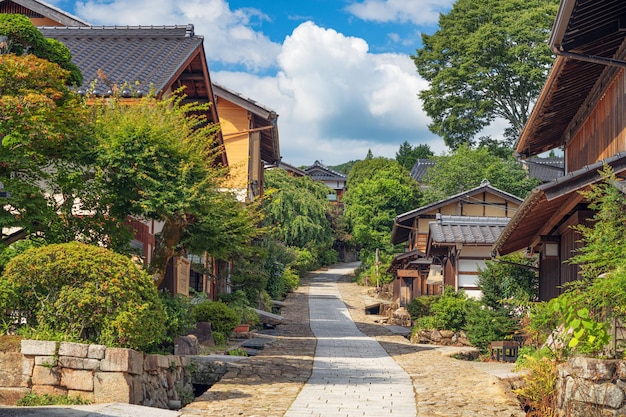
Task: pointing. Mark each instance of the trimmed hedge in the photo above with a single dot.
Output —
(75, 291)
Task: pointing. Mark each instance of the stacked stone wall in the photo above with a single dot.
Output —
(95, 373)
(588, 387)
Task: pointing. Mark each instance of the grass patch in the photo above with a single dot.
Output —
(33, 400)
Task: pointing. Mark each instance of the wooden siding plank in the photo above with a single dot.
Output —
(603, 134)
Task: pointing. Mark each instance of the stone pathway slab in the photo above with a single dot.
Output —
(352, 374)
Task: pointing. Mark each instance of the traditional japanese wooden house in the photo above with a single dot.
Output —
(447, 241)
(159, 60)
(332, 179)
(582, 110)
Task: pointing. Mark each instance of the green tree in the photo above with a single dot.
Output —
(297, 208)
(465, 168)
(46, 152)
(156, 160)
(603, 237)
(378, 190)
(23, 37)
(489, 59)
(407, 155)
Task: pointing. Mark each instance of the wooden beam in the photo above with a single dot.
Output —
(408, 273)
(557, 216)
(191, 77)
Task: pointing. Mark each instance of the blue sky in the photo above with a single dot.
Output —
(337, 72)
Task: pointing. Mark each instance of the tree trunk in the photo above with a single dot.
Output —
(165, 247)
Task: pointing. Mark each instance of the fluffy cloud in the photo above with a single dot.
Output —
(335, 100)
(417, 12)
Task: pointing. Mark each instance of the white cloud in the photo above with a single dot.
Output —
(418, 12)
(229, 36)
(336, 100)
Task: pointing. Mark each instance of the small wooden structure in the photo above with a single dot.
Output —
(504, 350)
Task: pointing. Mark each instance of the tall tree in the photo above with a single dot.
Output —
(489, 59)
(407, 154)
(465, 168)
(45, 153)
(297, 209)
(156, 159)
(379, 189)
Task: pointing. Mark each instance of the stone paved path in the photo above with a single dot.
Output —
(352, 374)
(274, 384)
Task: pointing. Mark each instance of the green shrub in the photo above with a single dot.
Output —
(238, 301)
(484, 325)
(223, 318)
(451, 309)
(291, 278)
(427, 323)
(327, 256)
(237, 352)
(421, 306)
(178, 319)
(305, 261)
(88, 293)
(219, 338)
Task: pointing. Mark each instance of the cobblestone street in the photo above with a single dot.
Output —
(274, 383)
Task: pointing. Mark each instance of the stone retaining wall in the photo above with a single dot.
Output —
(441, 337)
(588, 387)
(95, 373)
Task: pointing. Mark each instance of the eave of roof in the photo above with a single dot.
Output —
(544, 201)
(403, 222)
(586, 28)
(288, 167)
(51, 12)
(399, 259)
(244, 102)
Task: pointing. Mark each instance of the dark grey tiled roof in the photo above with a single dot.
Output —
(420, 168)
(321, 172)
(467, 230)
(545, 169)
(143, 56)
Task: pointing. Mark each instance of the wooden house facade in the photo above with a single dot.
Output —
(452, 237)
(143, 59)
(250, 132)
(581, 109)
